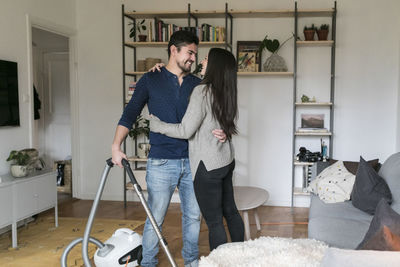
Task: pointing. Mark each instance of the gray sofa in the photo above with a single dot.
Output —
(342, 225)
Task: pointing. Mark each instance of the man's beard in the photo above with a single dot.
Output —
(184, 68)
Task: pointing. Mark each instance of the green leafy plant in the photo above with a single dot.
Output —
(142, 127)
(19, 158)
(324, 27)
(305, 99)
(139, 26)
(311, 28)
(272, 46)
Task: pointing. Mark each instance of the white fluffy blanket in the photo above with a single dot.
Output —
(267, 251)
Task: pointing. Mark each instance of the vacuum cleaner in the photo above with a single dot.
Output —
(124, 247)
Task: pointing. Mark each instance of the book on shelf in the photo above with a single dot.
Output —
(312, 130)
(211, 34)
(159, 31)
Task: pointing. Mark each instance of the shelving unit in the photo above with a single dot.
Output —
(299, 191)
(189, 15)
(229, 15)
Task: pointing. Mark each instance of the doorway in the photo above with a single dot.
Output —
(51, 133)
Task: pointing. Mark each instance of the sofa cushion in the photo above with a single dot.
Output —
(342, 210)
(337, 232)
(390, 171)
(366, 258)
(334, 184)
(384, 239)
(369, 188)
(384, 216)
(352, 166)
(338, 224)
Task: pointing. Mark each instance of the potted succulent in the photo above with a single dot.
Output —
(19, 165)
(142, 128)
(309, 32)
(322, 32)
(139, 26)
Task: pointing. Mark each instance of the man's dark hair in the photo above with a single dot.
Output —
(182, 38)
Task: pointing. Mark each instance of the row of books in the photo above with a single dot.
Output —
(159, 31)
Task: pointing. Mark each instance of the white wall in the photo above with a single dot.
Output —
(367, 88)
(398, 105)
(13, 47)
(367, 83)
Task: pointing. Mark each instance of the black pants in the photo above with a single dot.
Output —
(214, 193)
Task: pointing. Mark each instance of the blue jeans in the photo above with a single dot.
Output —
(163, 176)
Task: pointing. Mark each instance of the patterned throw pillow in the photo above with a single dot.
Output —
(334, 184)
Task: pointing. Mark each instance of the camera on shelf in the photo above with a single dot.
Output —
(307, 156)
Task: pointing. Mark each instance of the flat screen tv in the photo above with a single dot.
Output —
(9, 106)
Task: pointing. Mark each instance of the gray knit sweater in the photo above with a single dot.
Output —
(197, 126)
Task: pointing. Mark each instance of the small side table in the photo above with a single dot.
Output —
(249, 198)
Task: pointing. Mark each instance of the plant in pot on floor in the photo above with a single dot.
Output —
(274, 62)
(141, 129)
(309, 32)
(322, 32)
(139, 26)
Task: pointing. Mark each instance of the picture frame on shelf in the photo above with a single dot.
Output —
(248, 56)
(312, 121)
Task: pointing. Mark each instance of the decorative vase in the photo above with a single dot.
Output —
(309, 35)
(275, 63)
(19, 171)
(322, 35)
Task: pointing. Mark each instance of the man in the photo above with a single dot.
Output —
(167, 93)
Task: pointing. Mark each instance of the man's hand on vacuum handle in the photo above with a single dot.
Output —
(116, 152)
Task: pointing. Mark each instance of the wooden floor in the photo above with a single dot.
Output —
(276, 221)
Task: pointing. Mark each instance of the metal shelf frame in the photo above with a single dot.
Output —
(132, 16)
(331, 103)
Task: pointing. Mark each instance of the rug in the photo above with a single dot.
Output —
(41, 244)
(267, 251)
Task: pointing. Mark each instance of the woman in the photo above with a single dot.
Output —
(212, 105)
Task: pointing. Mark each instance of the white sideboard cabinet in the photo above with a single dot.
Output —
(21, 198)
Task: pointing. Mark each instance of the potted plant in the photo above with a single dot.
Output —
(322, 32)
(19, 165)
(273, 62)
(25, 161)
(309, 32)
(139, 26)
(142, 128)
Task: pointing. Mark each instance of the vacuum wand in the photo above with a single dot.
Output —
(153, 222)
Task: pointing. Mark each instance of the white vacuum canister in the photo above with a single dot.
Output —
(122, 244)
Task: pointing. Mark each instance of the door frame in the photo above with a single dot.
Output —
(32, 21)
